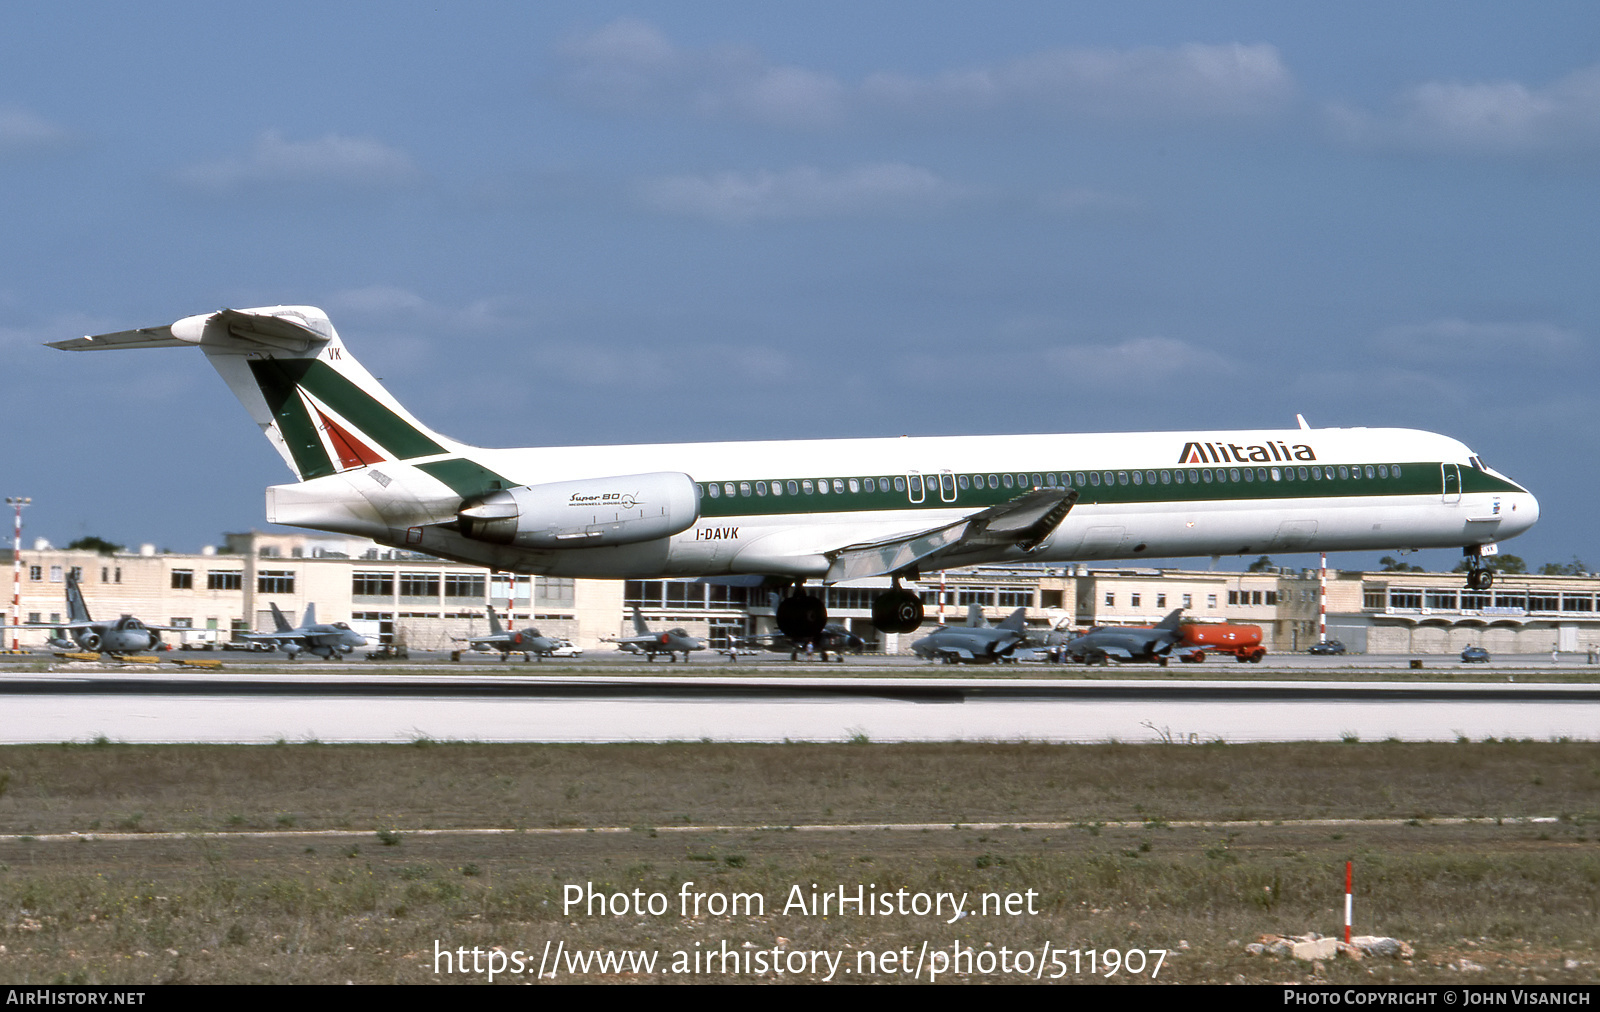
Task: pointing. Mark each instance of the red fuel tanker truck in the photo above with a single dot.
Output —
(1242, 641)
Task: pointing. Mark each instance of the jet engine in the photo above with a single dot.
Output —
(89, 640)
(590, 513)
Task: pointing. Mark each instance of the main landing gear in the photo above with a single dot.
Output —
(897, 610)
(802, 616)
(1479, 576)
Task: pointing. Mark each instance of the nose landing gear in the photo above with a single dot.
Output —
(1479, 576)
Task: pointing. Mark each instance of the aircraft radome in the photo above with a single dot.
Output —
(827, 510)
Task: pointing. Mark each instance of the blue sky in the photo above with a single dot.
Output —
(572, 223)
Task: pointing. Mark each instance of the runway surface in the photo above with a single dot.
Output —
(343, 706)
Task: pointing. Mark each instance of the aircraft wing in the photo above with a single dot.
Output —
(1024, 523)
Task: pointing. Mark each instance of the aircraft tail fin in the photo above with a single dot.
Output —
(311, 617)
(975, 619)
(1172, 621)
(638, 623)
(319, 407)
(494, 623)
(1017, 621)
(77, 610)
(279, 623)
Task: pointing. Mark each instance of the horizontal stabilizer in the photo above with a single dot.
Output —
(148, 337)
(225, 329)
(1024, 522)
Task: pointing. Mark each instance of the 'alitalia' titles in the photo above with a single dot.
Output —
(1234, 453)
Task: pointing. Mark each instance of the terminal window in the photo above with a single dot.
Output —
(275, 581)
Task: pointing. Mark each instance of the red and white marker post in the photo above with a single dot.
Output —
(1347, 901)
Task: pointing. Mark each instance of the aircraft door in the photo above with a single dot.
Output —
(947, 486)
(1452, 483)
(914, 486)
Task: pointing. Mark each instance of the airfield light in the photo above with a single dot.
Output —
(16, 503)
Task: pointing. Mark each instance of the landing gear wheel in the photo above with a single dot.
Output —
(897, 611)
(802, 617)
(1480, 579)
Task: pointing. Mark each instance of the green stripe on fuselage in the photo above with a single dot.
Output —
(466, 478)
(1415, 479)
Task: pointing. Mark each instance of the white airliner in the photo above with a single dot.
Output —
(826, 510)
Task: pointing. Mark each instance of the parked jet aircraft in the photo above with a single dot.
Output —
(976, 642)
(827, 510)
(672, 642)
(127, 635)
(1158, 643)
(527, 642)
(328, 641)
(834, 639)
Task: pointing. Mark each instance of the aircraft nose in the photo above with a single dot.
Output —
(1525, 511)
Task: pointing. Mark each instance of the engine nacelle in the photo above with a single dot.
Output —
(590, 513)
(89, 640)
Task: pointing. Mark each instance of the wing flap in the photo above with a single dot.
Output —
(1024, 522)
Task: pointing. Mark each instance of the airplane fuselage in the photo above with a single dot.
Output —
(779, 508)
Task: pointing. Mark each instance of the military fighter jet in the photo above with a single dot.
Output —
(127, 635)
(672, 642)
(834, 639)
(1158, 643)
(976, 642)
(327, 641)
(528, 642)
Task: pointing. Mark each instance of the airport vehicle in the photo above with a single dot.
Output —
(1326, 647)
(565, 648)
(1475, 655)
(825, 510)
(390, 652)
(119, 638)
(1133, 644)
(328, 641)
(672, 642)
(1242, 641)
(199, 639)
(976, 642)
(527, 642)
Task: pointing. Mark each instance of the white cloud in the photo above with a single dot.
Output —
(1134, 362)
(1192, 81)
(1454, 341)
(22, 132)
(631, 66)
(332, 160)
(803, 192)
(1497, 117)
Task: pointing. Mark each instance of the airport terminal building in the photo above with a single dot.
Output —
(426, 602)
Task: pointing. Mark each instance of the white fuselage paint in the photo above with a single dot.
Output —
(796, 542)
